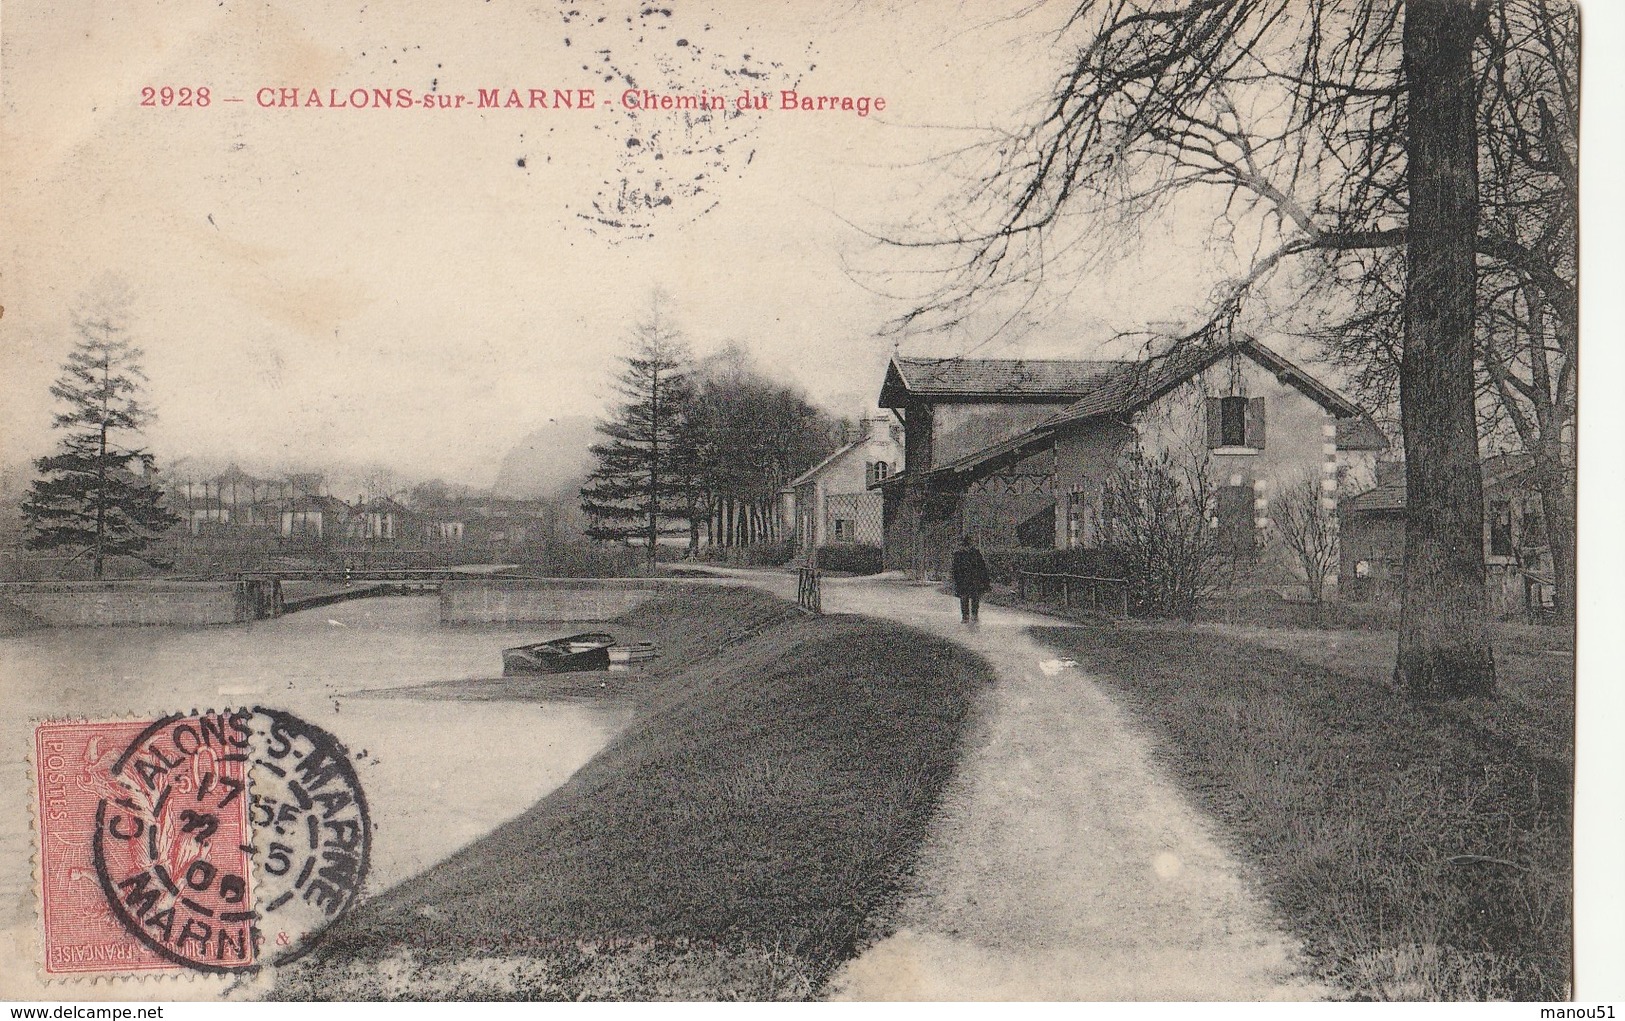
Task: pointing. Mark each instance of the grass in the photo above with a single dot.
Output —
(1422, 852)
(745, 834)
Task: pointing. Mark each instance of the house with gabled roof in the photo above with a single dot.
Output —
(379, 519)
(835, 502)
(1018, 452)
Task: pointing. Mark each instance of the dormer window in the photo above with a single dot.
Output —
(1235, 425)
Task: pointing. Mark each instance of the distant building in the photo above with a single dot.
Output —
(380, 519)
(318, 518)
(230, 502)
(1519, 576)
(488, 522)
(835, 500)
(207, 515)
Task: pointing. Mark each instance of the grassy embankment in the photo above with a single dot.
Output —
(741, 838)
(1420, 851)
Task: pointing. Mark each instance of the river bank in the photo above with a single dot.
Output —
(743, 836)
(435, 778)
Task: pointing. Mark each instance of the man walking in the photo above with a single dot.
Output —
(970, 578)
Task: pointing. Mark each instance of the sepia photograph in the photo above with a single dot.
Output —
(776, 501)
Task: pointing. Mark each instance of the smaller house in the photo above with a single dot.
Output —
(1519, 575)
(443, 528)
(319, 518)
(207, 515)
(230, 502)
(834, 501)
(377, 520)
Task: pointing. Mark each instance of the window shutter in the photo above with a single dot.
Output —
(868, 474)
(1255, 423)
(1215, 423)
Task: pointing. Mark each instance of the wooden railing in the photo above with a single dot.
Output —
(355, 574)
(1076, 590)
(808, 594)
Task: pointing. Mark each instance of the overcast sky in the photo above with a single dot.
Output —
(422, 288)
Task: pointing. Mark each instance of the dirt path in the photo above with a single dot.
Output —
(1064, 864)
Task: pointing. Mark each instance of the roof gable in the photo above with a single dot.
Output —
(817, 469)
(1503, 475)
(1147, 381)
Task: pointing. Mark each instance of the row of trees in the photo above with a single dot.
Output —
(701, 445)
(704, 444)
(1416, 162)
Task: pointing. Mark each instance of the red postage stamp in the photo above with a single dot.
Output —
(145, 853)
(214, 842)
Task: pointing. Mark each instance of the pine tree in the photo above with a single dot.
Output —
(640, 476)
(96, 496)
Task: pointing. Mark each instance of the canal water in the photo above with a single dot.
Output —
(437, 774)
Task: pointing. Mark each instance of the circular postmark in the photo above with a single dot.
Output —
(231, 840)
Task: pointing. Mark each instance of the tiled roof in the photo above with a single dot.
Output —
(1360, 433)
(1500, 468)
(810, 473)
(1017, 377)
(308, 503)
(1501, 472)
(1122, 388)
(1382, 498)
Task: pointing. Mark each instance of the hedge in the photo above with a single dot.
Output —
(756, 554)
(850, 558)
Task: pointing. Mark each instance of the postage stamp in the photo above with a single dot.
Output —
(217, 841)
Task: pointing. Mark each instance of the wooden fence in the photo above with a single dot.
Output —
(1083, 591)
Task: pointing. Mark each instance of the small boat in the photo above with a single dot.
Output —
(588, 651)
(636, 652)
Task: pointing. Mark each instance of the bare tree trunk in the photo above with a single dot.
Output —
(101, 500)
(1444, 648)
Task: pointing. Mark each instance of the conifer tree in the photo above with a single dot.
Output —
(639, 478)
(96, 496)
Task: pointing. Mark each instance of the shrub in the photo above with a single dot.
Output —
(756, 554)
(1156, 512)
(851, 558)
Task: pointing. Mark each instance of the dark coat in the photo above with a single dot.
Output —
(970, 573)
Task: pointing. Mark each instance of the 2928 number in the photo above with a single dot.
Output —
(169, 95)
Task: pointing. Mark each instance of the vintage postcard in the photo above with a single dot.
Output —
(782, 501)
